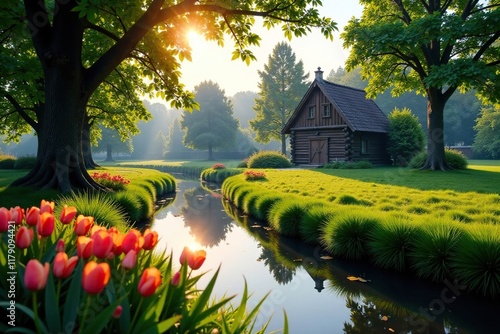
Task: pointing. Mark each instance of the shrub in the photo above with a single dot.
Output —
(476, 264)
(314, 221)
(268, 159)
(7, 161)
(103, 208)
(218, 166)
(263, 205)
(351, 200)
(435, 248)
(115, 182)
(455, 159)
(25, 162)
(286, 216)
(251, 175)
(406, 136)
(392, 242)
(347, 234)
(243, 163)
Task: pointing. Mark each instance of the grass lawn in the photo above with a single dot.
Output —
(175, 163)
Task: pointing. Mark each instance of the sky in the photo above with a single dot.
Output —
(211, 62)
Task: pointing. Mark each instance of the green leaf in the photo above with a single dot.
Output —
(52, 315)
(29, 312)
(163, 326)
(72, 302)
(101, 321)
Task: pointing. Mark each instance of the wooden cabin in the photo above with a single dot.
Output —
(335, 122)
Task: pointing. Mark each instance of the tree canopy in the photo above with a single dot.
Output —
(487, 141)
(55, 55)
(435, 47)
(282, 86)
(213, 126)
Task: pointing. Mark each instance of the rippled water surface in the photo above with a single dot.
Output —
(312, 288)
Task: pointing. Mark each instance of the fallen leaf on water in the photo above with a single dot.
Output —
(384, 318)
(326, 257)
(391, 330)
(268, 228)
(297, 260)
(353, 278)
(255, 226)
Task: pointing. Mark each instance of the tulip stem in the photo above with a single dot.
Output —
(35, 311)
(135, 314)
(85, 311)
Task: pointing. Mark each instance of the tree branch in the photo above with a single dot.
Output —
(486, 45)
(20, 110)
(39, 27)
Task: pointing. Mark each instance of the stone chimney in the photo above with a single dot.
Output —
(319, 74)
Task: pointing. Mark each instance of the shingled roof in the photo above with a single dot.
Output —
(360, 113)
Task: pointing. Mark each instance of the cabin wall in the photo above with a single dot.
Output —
(300, 141)
(374, 150)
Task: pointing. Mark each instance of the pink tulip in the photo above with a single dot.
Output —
(176, 279)
(4, 219)
(17, 215)
(35, 275)
(60, 245)
(117, 312)
(32, 215)
(129, 260)
(24, 237)
(46, 206)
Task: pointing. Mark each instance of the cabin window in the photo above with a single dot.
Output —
(364, 146)
(311, 112)
(326, 110)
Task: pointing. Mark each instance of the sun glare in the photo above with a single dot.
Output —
(194, 38)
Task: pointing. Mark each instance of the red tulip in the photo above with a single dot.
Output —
(17, 215)
(150, 239)
(194, 259)
(96, 228)
(83, 224)
(84, 247)
(95, 277)
(132, 240)
(4, 219)
(46, 206)
(68, 213)
(103, 244)
(117, 312)
(24, 237)
(35, 275)
(176, 279)
(63, 267)
(149, 282)
(117, 243)
(46, 224)
(32, 215)
(129, 260)
(60, 245)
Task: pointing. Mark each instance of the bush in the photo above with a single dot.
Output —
(7, 161)
(455, 159)
(26, 162)
(405, 137)
(268, 159)
(314, 221)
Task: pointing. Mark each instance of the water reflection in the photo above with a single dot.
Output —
(328, 302)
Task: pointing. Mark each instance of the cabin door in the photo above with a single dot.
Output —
(318, 151)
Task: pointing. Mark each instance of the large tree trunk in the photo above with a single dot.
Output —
(210, 152)
(109, 152)
(435, 131)
(86, 147)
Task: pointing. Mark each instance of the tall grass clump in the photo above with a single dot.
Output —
(263, 205)
(268, 159)
(148, 187)
(286, 216)
(101, 206)
(477, 261)
(249, 203)
(146, 202)
(130, 204)
(392, 242)
(239, 195)
(314, 221)
(345, 199)
(348, 233)
(435, 248)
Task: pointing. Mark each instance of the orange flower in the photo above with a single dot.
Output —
(95, 277)
(46, 224)
(68, 213)
(63, 267)
(132, 240)
(46, 206)
(103, 244)
(176, 279)
(17, 215)
(149, 282)
(194, 259)
(24, 237)
(60, 245)
(150, 239)
(35, 275)
(83, 224)
(32, 215)
(129, 260)
(117, 243)
(4, 219)
(96, 228)
(84, 247)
